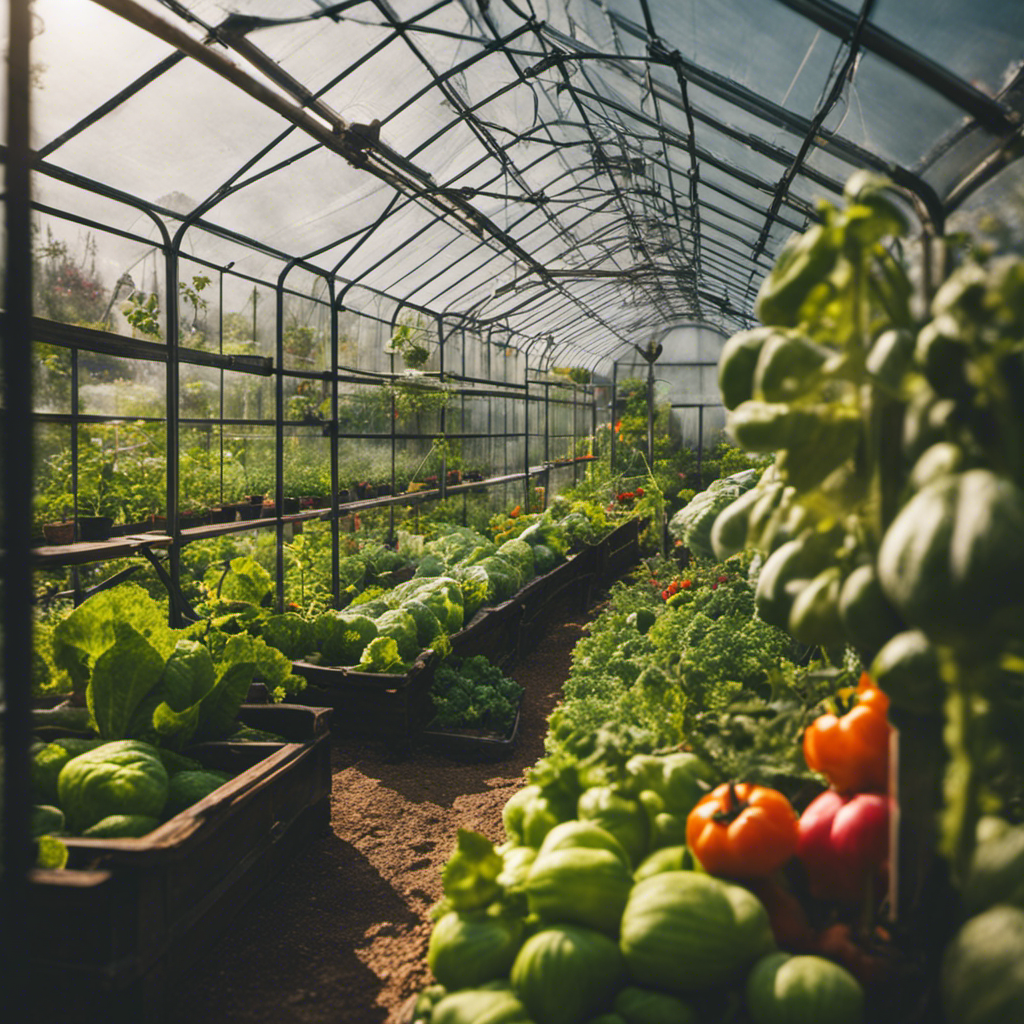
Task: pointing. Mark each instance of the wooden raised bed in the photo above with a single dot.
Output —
(109, 937)
(395, 707)
(379, 704)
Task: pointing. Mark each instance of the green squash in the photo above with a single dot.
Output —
(573, 834)
(567, 974)
(668, 858)
(983, 969)
(785, 989)
(468, 949)
(46, 820)
(868, 618)
(952, 558)
(579, 885)
(685, 932)
(685, 779)
(996, 873)
(622, 817)
(643, 1006)
(493, 1003)
(906, 669)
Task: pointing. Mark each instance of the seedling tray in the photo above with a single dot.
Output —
(110, 936)
(472, 744)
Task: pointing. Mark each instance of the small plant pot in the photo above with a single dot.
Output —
(255, 499)
(59, 533)
(94, 527)
(290, 506)
(222, 514)
(383, 490)
(156, 522)
(246, 509)
(268, 510)
(343, 495)
(454, 477)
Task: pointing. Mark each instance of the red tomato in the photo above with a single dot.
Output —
(740, 830)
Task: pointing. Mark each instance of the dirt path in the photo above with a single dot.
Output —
(341, 936)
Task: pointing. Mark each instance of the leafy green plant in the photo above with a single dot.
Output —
(474, 694)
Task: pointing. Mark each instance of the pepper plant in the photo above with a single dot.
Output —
(892, 516)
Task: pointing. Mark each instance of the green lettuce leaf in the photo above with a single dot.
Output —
(122, 676)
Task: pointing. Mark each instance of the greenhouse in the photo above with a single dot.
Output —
(512, 511)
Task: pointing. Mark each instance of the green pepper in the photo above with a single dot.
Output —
(890, 358)
(802, 264)
(821, 439)
(737, 362)
(787, 367)
(876, 193)
(906, 669)
(868, 618)
(786, 572)
(814, 615)
(761, 426)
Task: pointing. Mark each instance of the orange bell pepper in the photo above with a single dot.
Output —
(852, 750)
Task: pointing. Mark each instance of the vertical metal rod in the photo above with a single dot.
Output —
(16, 362)
(443, 480)
(220, 348)
(173, 441)
(335, 539)
(572, 454)
(462, 428)
(650, 414)
(278, 436)
(700, 447)
(547, 441)
(611, 415)
(526, 431)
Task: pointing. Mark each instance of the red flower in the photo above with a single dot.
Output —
(639, 492)
(723, 579)
(665, 595)
(686, 584)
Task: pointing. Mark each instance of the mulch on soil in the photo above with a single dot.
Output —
(341, 936)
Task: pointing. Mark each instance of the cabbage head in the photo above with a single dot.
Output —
(443, 597)
(289, 633)
(519, 554)
(401, 627)
(477, 589)
(544, 559)
(504, 577)
(381, 655)
(427, 625)
(343, 637)
(122, 777)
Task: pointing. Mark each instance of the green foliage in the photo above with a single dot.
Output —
(381, 655)
(474, 695)
(122, 777)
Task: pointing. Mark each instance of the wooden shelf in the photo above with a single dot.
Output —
(83, 552)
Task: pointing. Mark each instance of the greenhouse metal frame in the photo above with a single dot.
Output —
(557, 182)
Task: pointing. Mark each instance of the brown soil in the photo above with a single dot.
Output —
(341, 936)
